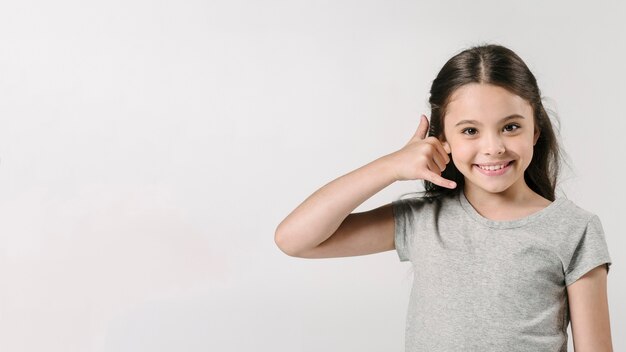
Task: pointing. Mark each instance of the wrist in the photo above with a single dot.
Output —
(386, 168)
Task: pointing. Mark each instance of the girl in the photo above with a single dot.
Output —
(500, 263)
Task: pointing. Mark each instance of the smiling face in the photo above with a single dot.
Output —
(491, 134)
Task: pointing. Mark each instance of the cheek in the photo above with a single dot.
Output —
(462, 152)
(523, 147)
(529, 157)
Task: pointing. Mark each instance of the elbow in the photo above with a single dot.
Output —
(282, 242)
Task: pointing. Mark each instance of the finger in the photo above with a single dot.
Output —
(422, 128)
(440, 181)
(440, 150)
(439, 161)
(435, 163)
(444, 155)
(446, 147)
(433, 167)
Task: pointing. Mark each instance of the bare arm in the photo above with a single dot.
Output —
(589, 312)
(322, 213)
(323, 225)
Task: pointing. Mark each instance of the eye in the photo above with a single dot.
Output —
(511, 127)
(469, 131)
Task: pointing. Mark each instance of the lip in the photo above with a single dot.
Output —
(494, 172)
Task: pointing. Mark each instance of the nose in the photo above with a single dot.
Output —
(493, 145)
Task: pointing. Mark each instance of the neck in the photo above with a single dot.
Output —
(516, 194)
(513, 203)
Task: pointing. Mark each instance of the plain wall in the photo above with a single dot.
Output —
(148, 150)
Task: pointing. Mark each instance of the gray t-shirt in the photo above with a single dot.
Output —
(485, 285)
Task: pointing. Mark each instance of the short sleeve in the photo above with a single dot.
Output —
(403, 219)
(591, 251)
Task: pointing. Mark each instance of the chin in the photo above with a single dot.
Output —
(495, 189)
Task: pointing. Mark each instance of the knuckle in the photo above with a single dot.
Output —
(431, 139)
(422, 158)
(429, 147)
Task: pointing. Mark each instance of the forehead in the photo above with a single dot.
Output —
(484, 102)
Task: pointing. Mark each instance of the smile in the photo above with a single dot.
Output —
(493, 170)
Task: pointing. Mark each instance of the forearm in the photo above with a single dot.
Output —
(319, 216)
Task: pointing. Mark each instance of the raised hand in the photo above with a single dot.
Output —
(422, 158)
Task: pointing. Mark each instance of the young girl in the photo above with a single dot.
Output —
(500, 263)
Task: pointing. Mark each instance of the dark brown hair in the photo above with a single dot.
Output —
(499, 66)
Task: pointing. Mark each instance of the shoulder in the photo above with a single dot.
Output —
(573, 213)
(572, 226)
(420, 206)
(574, 231)
(424, 201)
(565, 225)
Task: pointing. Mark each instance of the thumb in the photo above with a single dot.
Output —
(422, 128)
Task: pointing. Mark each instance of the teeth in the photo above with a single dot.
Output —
(492, 167)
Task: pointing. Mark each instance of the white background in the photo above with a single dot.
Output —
(149, 149)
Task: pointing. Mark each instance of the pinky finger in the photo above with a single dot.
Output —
(440, 181)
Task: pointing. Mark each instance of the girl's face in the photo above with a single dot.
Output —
(491, 134)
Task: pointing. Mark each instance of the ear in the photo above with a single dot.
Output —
(536, 137)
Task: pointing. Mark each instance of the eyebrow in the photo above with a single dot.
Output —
(510, 117)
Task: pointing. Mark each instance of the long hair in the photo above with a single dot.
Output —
(499, 66)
